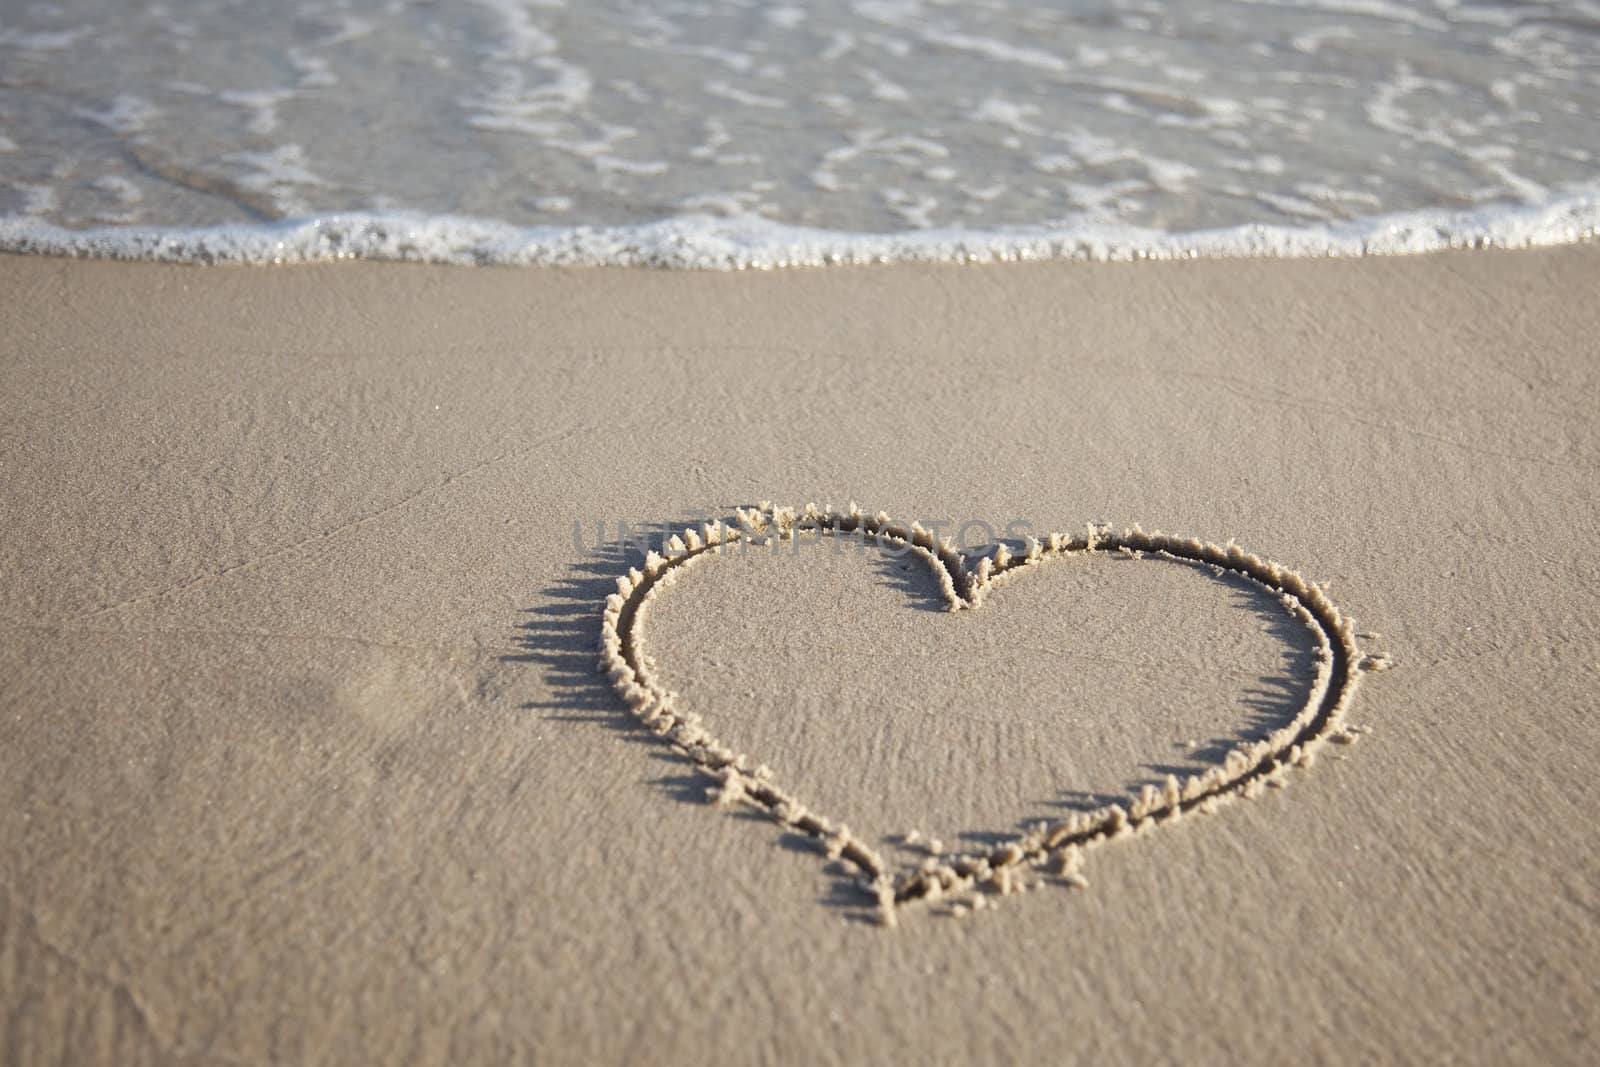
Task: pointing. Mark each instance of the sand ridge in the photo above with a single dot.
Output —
(1243, 773)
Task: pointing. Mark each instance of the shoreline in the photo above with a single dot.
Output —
(699, 242)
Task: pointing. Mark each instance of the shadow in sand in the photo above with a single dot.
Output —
(1273, 700)
(909, 576)
(561, 634)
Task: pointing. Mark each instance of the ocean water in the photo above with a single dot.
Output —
(737, 133)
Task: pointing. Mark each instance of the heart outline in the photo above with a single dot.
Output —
(1245, 772)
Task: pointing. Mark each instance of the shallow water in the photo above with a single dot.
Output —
(732, 132)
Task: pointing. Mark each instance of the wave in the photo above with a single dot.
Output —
(700, 242)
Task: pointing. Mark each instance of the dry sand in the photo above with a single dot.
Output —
(303, 757)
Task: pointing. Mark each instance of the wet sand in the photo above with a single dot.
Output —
(304, 756)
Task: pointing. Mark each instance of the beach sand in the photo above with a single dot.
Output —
(304, 757)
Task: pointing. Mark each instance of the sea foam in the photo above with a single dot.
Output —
(723, 243)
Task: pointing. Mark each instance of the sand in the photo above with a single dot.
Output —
(304, 757)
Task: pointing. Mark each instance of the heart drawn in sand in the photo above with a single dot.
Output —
(1245, 772)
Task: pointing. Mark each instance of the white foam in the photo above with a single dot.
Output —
(1005, 113)
(281, 175)
(718, 87)
(990, 48)
(124, 114)
(124, 190)
(262, 104)
(786, 17)
(314, 71)
(884, 89)
(351, 28)
(748, 242)
(523, 40)
(36, 200)
(1381, 10)
(914, 209)
(617, 164)
(43, 41)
